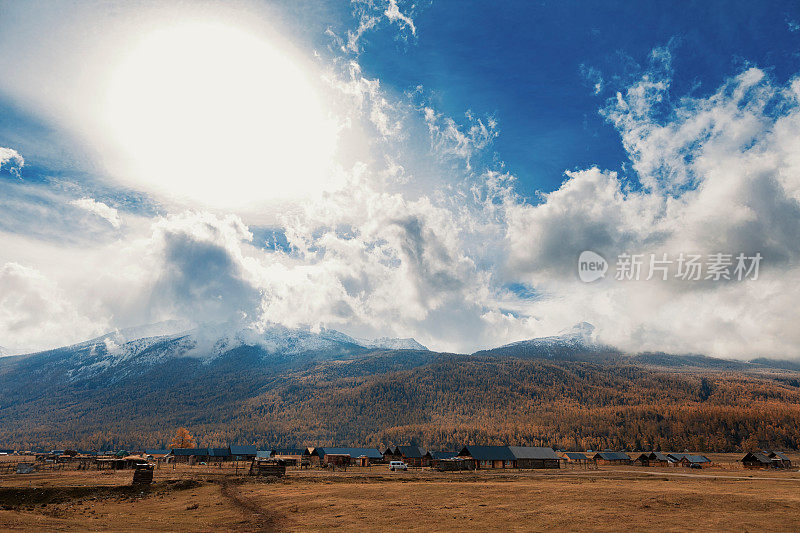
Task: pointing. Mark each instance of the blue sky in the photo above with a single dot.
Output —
(426, 169)
(523, 65)
(530, 65)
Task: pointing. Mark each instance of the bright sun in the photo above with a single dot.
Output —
(219, 116)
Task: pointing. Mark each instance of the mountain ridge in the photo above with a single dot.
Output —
(286, 387)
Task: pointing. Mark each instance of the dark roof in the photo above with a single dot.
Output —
(264, 453)
(391, 451)
(443, 455)
(487, 453)
(288, 451)
(696, 458)
(533, 452)
(219, 452)
(190, 451)
(576, 456)
(777, 455)
(412, 452)
(372, 453)
(612, 456)
(690, 457)
(756, 456)
(243, 450)
(656, 456)
(148, 452)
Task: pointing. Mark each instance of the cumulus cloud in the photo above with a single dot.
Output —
(201, 273)
(100, 209)
(718, 173)
(11, 160)
(714, 174)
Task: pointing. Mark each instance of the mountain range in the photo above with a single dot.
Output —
(287, 387)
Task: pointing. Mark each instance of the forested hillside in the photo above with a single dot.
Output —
(381, 397)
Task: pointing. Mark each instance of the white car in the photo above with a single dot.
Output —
(397, 465)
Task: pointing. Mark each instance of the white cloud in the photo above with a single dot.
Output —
(100, 209)
(717, 174)
(35, 314)
(393, 13)
(370, 13)
(11, 160)
(452, 139)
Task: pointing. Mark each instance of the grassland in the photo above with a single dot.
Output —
(725, 497)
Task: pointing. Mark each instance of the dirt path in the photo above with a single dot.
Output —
(259, 518)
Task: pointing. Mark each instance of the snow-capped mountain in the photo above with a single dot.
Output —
(134, 350)
(577, 342)
(579, 335)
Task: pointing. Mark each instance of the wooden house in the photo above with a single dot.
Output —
(348, 456)
(122, 463)
(219, 455)
(654, 459)
(575, 459)
(188, 455)
(413, 456)
(779, 459)
(534, 457)
(243, 453)
(391, 454)
(289, 456)
(756, 460)
(157, 454)
(612, 458)
(488, 456)
(437, 457)
(690, 460)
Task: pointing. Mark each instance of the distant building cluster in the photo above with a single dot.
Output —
(470, 457)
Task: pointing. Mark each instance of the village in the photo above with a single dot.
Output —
(470, 457)
(249, 488)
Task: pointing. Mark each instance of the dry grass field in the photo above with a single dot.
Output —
(725, 497)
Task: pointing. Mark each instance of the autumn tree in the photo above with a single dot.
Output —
(182, 439)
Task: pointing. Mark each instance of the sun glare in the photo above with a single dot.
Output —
(217, 115)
